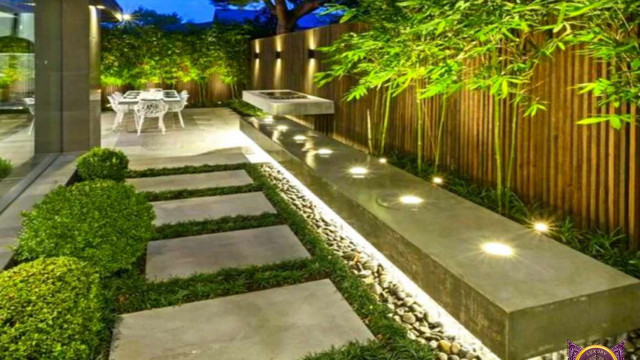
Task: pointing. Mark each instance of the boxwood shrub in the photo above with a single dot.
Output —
(103, 222)
(105, 164)
(50, 309)
(5, 168)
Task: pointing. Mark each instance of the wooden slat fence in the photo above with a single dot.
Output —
(590, 172)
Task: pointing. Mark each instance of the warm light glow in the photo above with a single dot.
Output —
(496, 248)
(282, 127)
(325, 151)
(383, 160)
(411, 200)
(101, 7)
(268, 119)
(299, 138)
(438, 180)
(541, 227)
(358, 171)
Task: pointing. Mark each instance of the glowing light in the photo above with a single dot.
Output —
(282, 127)
(411, 200)
(299, 138)
(498, 249)
(541, 227)
(268, 119)
(126, 17)
(383, 160)
(358, 171)
(324, 151)
(438, 180)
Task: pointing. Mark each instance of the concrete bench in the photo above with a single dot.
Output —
(524, 299)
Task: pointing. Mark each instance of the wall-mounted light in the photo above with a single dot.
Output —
(256, 55)
(278, 54)
(312, 53)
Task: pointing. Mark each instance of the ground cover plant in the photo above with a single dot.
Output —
(104, 223)
(51, 309)
(5, 168)
(103, 164)
(130, 292)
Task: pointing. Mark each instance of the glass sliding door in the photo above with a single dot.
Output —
(17, 92)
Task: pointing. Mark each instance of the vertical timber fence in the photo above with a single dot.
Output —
(590, 172)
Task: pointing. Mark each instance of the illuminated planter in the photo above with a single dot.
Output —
(521, 293)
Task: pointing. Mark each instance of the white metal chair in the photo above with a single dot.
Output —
(150, 109)
(30, 103)
(120, 110)
(177, 107)
(118, 95)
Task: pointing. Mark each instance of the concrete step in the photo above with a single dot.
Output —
(211, 207)
(283, 323)
(192, 181)
(180, 161)
(209, 253)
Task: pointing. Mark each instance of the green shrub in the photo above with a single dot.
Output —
(50, 309)
(5, 168)
(105, 223)
(107, 164)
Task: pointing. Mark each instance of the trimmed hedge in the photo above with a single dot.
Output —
(106, 164)
(104, 223)
(5, 168)
(50, 309)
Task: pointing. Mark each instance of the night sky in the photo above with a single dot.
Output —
(189, 10)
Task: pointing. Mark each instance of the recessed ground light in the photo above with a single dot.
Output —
(438, 180)
(411, 200)
(268, 119)
(383, 160)
(498, 249)
(299, 138)
(282, 127)
(324, 151)
(541, 227)
(358, 171)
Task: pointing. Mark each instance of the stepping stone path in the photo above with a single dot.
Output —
(179, 161)
(209, 253)
(211, 207)
(283, 323)
(192, 181)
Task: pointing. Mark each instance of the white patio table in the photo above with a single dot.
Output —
(133, 97)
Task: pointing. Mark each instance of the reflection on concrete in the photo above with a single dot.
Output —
(206, 130)
(16, 145)
(520, 305)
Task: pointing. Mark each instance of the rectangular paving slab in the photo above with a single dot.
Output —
(211, 207)
(180, 161)
(283, 323)
(208, 253)
(192, 181)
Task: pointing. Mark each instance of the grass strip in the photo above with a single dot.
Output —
(225, 224)
(134, 174)
(188, 193)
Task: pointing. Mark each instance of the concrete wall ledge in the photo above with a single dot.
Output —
(58, 173)
(519, 306)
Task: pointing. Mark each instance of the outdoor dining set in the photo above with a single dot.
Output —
(154, 103)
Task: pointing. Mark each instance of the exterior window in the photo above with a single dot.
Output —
(17, 92)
